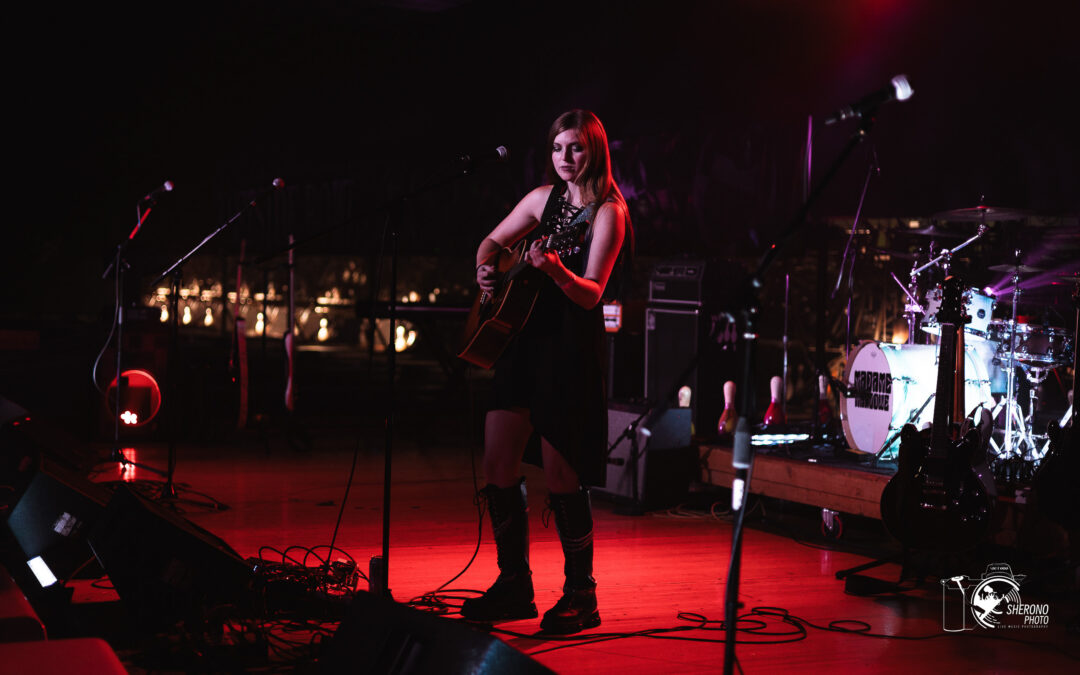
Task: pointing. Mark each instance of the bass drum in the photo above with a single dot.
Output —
(895, 384)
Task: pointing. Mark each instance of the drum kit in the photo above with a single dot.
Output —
(889, 385)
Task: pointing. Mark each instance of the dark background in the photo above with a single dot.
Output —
(706, 105)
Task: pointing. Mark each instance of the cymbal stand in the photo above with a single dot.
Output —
(1014, 420)
(912, 308)
(1010, 387)
(1036, 376)
(946, 254)
(944, 260)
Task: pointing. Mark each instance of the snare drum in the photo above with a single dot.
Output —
(896, 385)
(977, 305)
(1036, 346)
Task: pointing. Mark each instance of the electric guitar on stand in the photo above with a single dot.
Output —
(498, 316)
(942, 497)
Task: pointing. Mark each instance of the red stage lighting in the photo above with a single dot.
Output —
(140, 399)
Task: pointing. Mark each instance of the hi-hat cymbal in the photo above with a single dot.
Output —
(982, 214)
(1022, 269)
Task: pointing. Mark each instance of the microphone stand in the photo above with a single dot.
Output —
(847, 262)
(379, 570)
(117, 267)
(175, 271)
(742, 453)
(644, 423)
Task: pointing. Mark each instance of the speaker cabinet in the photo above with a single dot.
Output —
(671, 350)
(24, 443)
(54, 515)
(665, 464)
(164, 567)
(379, 636)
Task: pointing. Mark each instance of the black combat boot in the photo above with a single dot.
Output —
(511, 596)
(576, 610)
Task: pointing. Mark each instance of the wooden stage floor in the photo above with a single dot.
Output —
(661, 575)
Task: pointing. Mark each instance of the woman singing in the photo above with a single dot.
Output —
(550, 380)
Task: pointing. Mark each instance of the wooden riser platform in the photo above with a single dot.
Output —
(838, 484)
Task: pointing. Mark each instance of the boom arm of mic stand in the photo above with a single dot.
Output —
(183, 259)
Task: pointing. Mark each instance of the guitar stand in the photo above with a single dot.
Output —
(857, 584)
(915, 564)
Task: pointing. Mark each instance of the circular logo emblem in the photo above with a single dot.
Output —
(991, 598)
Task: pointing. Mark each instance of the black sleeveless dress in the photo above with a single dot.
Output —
(554, 366)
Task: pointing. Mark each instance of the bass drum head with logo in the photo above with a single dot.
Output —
(896, 385)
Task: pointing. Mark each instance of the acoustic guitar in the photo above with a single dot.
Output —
(498, 316)
(942, 497)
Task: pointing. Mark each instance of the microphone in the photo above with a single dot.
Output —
(167, 186)
(499, 154)
(897, 90)
(741, 456)
(277, 183)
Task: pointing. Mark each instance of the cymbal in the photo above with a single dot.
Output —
(981, 214)
(1023, 269)
(934, 231)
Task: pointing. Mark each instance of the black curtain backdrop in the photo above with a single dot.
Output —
(706, 104)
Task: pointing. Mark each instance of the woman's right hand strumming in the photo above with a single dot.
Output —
(485, 277)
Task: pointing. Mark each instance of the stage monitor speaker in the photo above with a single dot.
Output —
(164, 567)
(24, 442)
(665, 465)
(380, 637)
(52, 519)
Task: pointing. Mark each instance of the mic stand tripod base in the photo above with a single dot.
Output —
(117, 455)
(633, 507)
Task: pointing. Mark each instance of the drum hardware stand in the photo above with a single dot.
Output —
(1036, 376)
(1010, 387)
(946, 253)
(912, 308)
(1014, 421)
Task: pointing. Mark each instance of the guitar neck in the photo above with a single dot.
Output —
(959, 410)
(946, 389)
